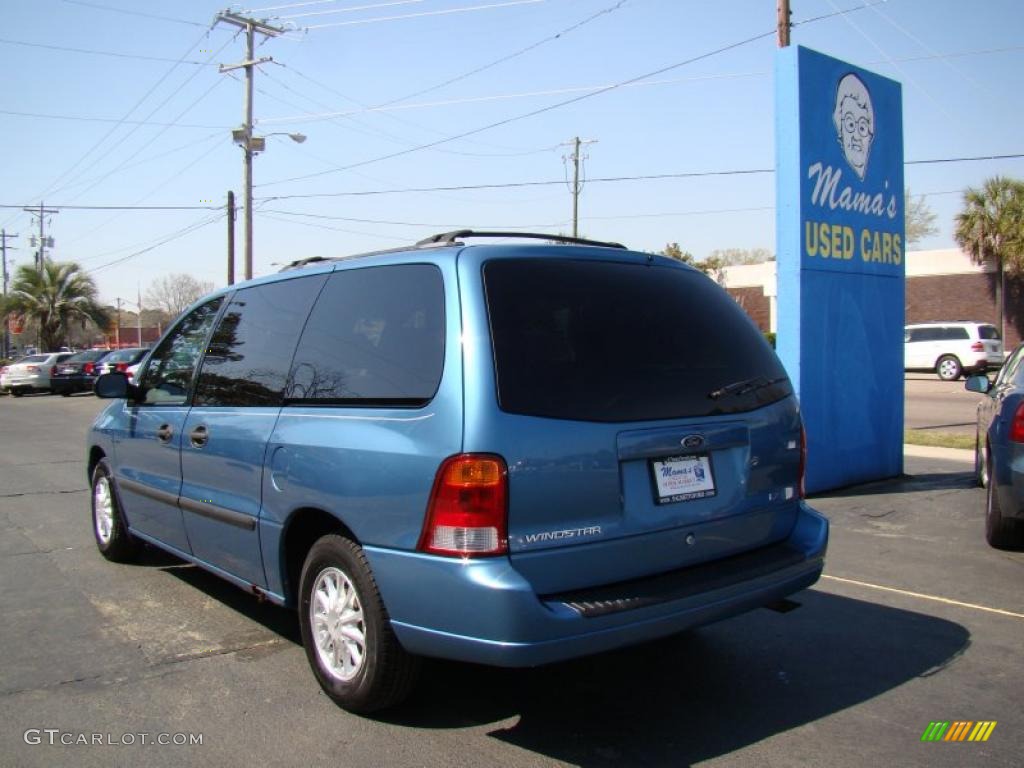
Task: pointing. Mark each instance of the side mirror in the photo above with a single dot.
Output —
(113, 386)
(979, 384)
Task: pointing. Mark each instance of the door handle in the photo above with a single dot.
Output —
(198, 436)
(164, 433)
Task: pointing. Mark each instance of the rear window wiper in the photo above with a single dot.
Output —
(744, 386)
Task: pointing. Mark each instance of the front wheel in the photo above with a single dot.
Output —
(112, 537)
(999, 531)
(346, 631)
(948, 368)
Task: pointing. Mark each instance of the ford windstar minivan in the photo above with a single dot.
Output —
(509, 453)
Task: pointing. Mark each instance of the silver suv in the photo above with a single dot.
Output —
(952, 348)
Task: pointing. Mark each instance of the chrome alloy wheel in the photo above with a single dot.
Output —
(336, 617)
(103, 509)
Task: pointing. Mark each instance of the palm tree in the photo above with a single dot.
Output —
(991, 229)
(55, 298)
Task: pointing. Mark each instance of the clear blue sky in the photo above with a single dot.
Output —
(75, 143)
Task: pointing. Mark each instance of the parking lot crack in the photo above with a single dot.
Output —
(41, 493)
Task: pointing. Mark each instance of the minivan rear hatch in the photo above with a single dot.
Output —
(646, 424)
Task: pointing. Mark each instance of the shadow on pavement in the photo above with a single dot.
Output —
(698, 695)
(281, 621)
(928, 481)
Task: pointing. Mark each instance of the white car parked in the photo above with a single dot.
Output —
(32, 373)
(952, 348)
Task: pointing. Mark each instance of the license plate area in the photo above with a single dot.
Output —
(682, 478)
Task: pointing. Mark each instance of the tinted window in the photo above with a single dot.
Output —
(168, 375)
(375, 336)
(600, 341)
(125, 355)
(34, 359)
(955, 333)
(988, 332)
(251, 349)
(87, 356)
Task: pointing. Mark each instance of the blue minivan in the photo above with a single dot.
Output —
(506, 453)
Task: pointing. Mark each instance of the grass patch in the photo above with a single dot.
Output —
(938, 439)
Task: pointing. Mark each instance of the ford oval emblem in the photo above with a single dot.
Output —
(693, 442)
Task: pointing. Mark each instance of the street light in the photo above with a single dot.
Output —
(250, 146)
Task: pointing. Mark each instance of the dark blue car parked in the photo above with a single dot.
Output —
(999, 451)
(501, 453)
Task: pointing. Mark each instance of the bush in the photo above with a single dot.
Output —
(770, 338)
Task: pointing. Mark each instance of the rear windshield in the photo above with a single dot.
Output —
(35, 359)
(124, 355)
(988, 332)
(602, 341)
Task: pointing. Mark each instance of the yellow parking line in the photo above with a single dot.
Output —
(908, 593)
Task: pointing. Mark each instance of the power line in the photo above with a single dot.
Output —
(442, 12)
(167, 239)
(84, 118)
(558, 35)
(135, 13)
(386, 107)
(350, 9)
(497, 185)
(94, 52)
(532, 113)
(127, 114)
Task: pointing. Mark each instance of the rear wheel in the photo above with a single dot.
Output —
(346, 631)
(999, 531)
(948, 368)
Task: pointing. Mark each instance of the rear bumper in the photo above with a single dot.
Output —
(484, 611)
(28, 382)
(73, 383)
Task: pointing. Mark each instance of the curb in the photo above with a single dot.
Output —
(933, 452)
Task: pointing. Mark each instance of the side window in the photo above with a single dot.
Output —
(954, 333)
(168, 375)
(911, 334)
(375, 336)
(1011, 370)
(251, 350)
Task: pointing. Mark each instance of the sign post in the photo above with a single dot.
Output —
(841, 273)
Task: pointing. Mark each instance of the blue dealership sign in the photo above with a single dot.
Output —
(841, 248)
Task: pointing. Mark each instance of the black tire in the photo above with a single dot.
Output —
(948, 368)
(980, 463)
(999, 531)
(384, 674)
(117, 545)
(65, 394)
(18, 392)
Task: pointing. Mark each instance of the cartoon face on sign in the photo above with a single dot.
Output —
(854, 118)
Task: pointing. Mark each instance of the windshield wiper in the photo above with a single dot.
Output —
(744, 386)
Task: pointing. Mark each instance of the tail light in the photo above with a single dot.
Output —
(803, 461)
(89, 368)
(977, 347)
(468, 510)
(32, 368)
(120, 367)
(53, 370)
(1017, 427)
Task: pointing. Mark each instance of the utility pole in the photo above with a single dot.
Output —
(5, 349)
(576, 188)
(783, 25)
(231, 237)
(117, 328)
(244, 135)
(41, 213)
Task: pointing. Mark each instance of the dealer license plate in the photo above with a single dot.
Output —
(683, 478)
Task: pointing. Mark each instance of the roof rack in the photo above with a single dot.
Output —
(452, 238)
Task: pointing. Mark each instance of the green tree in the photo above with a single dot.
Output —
(54, 299)
(918, 217)
(742, 256)
(990, 228)
(713, 266)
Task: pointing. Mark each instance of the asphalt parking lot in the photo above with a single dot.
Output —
(916, 620)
